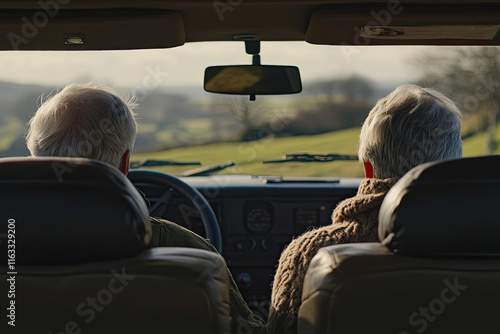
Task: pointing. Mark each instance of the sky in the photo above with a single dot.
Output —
(184, 66)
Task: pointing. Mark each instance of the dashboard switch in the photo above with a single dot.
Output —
(245, 244)
(240, 245)
(244, 279)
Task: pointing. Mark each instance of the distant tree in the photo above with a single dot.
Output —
(357, 88)
(327, 90)
(248, 113)
(354, 88)
(470, 76)
(326, 117)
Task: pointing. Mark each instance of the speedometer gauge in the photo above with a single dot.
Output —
(258, 217)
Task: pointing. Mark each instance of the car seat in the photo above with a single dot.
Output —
(436, 269)
(81, 261)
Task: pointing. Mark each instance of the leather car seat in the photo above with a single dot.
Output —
(82, 262)
(436, 270)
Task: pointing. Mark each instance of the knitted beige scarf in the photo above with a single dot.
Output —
(353, 220)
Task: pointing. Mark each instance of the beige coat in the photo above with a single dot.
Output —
(354, 220)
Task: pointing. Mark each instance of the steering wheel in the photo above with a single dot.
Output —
(208, 218)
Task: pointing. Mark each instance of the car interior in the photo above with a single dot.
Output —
(437, 226)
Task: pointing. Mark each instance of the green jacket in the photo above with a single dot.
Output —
(168, 234)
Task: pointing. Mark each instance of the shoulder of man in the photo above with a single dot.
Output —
(169, 234)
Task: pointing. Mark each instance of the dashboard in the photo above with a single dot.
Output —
(258, 217)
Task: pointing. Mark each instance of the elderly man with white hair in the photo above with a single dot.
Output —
(410, 126)
(94, 122)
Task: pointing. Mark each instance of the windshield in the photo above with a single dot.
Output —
(314, 133)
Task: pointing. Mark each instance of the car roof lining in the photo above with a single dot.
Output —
(139, 24)
(98, 30)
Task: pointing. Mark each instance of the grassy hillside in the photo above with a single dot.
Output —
(477, 144)
(248, 156)
(10, 129)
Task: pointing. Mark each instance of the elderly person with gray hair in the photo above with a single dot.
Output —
(410, 126)
(85, 121)
(94, 122)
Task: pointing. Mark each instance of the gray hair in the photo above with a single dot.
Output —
(83, 121)
(410, 126)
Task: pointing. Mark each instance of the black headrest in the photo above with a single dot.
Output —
(69, 210)
(448, 208)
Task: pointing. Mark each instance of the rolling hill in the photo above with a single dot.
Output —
(248, 156)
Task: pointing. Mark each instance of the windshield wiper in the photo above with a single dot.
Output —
(306, 157)
(208, 170)
(152, 163)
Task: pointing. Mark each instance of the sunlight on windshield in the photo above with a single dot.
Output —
(180, 123)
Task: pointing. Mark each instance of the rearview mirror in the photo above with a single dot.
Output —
(253, 79)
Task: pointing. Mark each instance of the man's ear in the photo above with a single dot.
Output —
(125, 162)
(368, 169)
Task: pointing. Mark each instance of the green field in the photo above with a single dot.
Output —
(477, 144)
(248, 156)
(10, 129)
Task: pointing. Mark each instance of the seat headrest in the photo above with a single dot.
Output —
(447, 208)
(70, 210)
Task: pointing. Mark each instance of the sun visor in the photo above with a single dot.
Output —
(395, 24)
(90, 30)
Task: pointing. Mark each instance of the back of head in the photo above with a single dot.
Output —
(83, 121)
(410, 126)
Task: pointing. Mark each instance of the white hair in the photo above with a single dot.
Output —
(83, 121)
(410, 126)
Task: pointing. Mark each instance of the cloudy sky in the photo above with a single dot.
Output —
(184, 65)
